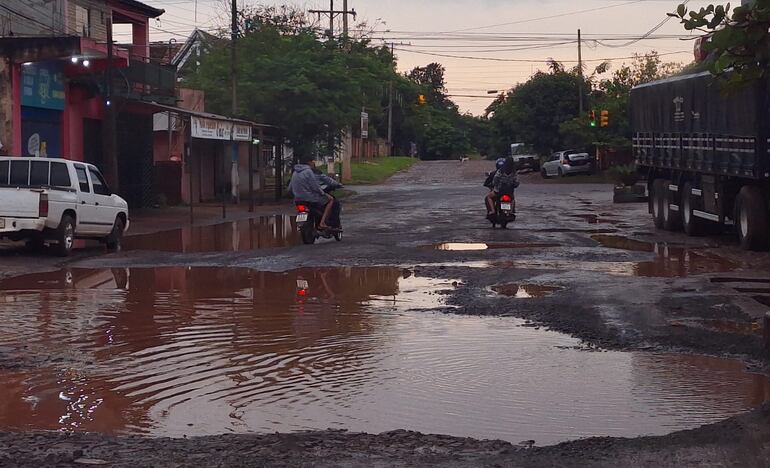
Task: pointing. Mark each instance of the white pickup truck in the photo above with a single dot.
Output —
(57, 200)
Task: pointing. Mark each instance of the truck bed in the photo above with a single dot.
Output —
(689, 123)
(19, 202)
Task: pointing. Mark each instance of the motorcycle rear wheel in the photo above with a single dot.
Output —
(308, 234)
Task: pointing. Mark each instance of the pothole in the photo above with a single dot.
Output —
(476, 246)
(235, 236)
(525, 291)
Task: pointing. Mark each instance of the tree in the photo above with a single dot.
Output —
(612, 94)
(533, 111)
(737, 40)
(289, 78)
(431, 77)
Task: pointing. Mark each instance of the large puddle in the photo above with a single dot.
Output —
(235, 236)
(180, 351)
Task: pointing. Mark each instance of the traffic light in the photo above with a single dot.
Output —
(592, 119)
(605, 120)
(422, 100)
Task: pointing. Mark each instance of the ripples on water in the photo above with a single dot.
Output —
(180, 351)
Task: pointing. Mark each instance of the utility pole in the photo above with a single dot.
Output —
(110, 122)
(332, 14)
(580, 71)
(234, 84)
(390, 106)
(345, 24)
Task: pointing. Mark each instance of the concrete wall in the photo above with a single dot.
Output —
(53, 18)
(6, 108)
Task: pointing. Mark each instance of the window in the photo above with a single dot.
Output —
(82, 21)
(4, 166)
(100, 186)
(38, 175)
(60, 175)
(19, 173)
(82, 179)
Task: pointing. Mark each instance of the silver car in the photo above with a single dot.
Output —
(567, 162)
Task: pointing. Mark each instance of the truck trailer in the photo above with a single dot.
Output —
(704, 152)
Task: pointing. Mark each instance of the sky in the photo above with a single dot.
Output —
(518, 35)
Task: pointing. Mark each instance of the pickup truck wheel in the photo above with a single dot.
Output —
(751, 219)
(693, 226)
(658, 199)
(116, 236)
(65, 236)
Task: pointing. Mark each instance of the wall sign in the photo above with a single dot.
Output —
(42, 85)
(212, 129)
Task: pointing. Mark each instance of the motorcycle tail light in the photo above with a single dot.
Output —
(302, 209)
(506, 198)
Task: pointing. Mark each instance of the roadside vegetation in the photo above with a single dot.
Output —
(379, 170)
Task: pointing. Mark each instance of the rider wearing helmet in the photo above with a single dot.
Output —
(491, 175)
(504, 181)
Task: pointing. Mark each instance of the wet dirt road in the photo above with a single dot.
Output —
(589, 321)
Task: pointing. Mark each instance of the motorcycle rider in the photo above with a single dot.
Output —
(504, 181)
(306, 188)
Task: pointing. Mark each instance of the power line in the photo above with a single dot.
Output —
(496, 59)
(21, 15)
(560, 15)
(655, 28)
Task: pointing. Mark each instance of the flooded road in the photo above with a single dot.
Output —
(198, 351)
(235, 236)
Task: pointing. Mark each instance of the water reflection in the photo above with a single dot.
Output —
(244, 235)
(670, 261)
(180, 351)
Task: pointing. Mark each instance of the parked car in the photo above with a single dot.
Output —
(57, 200)
(525, 157)
(568, 162)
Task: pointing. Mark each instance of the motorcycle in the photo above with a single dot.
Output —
(505, 211)
(309, 218)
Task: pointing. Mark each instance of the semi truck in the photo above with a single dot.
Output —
(703, 148)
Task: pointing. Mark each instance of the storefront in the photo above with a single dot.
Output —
(42, 106)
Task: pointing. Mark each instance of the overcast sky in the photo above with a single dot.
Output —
(484, 29)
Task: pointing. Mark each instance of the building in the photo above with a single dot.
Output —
(56, 57)
(78, 81)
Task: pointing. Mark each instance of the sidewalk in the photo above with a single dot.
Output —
(150, 220)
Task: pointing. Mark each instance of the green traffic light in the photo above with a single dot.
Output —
(593, 124)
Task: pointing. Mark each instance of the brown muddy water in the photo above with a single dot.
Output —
(670, 261)
(185, 351)
(474, 246)
(235, 236)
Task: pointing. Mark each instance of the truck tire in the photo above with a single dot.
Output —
(672, 220)
(113, 241)
(657, 200)
(65, 236)
(751, 219)
(692, 225)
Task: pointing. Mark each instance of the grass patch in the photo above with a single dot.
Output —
(377, 171)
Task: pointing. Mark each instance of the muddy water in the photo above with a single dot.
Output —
(473, 246)
(208, 351)
(670, 261)
(525, 291)
(244, 235)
